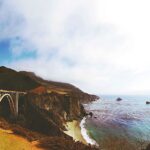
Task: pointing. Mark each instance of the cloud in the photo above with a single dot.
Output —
(100, 46)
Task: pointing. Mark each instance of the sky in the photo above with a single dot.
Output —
(101, 46)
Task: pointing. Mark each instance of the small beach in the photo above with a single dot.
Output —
(74, 130)
(78, 132)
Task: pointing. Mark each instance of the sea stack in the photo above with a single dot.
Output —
(147, 102)
(119, 99)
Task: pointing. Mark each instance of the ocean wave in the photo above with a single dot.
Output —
(85, 134)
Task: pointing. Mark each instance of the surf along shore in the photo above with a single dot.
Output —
(76, 129)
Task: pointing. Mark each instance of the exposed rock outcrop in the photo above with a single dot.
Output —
(48, 112)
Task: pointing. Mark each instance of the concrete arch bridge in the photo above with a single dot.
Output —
(13, 99)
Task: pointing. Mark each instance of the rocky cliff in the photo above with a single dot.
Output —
(48, 112)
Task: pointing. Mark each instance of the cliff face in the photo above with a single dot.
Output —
(47, 113)
(67, 106)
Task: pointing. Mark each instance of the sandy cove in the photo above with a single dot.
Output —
(74, 130)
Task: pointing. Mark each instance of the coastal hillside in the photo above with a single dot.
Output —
(48, 86)
(13, 80)
(28, 81)
(45, 109)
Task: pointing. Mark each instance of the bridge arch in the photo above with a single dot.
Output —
(10, 101)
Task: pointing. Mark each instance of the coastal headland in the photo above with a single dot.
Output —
(49, 114)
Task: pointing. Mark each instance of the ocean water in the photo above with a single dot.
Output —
(129, 118)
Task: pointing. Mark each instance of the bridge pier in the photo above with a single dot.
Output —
(16, 104)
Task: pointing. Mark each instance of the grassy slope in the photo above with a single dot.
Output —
(11, 141)
(22, 81)
(53, 86)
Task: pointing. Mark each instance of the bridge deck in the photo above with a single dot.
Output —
(13, 92)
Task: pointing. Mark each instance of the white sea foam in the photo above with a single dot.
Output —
(85, 134)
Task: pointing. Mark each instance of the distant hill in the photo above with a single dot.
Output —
(28, 81)
(13, 80)
(54, 86)
(23, 80)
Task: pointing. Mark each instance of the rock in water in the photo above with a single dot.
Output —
(119, 99)
(91, 114)
(147, 102)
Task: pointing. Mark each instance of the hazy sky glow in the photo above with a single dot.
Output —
(102, 46)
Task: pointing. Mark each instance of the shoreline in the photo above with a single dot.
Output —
(74, 130)
(78, 132)
(85, 135)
